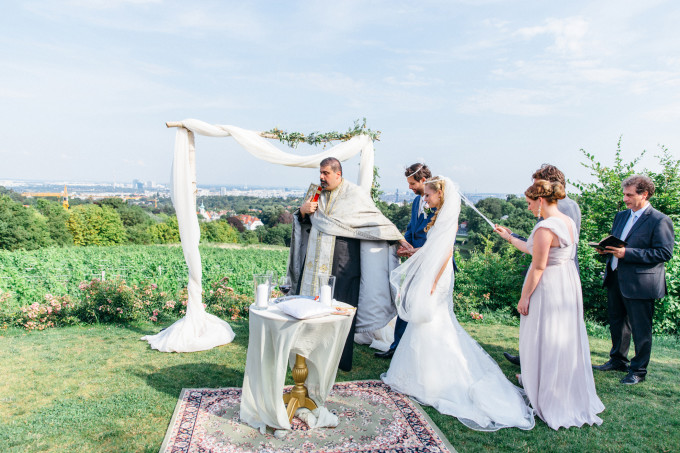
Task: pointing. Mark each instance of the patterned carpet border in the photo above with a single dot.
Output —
(372, 419)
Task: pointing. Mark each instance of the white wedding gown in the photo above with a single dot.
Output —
(437, 362)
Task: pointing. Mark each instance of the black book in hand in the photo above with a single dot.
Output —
(609, 241)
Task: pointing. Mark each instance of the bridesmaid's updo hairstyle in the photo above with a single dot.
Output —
(436, 183)
(551, 191)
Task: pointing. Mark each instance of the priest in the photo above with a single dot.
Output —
(341, 232)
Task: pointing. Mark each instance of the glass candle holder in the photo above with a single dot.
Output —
(263, 289)
(326, 285)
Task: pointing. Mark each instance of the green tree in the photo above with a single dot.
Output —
(92, 224)
(277, 235)
(249, 237)
(134, 218)
(166, 232)
(218, 231)
(21, 227)
(56, 217)
(398, 213)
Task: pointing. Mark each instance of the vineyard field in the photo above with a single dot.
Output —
(29, 275)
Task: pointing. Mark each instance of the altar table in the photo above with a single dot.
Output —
(275, 340)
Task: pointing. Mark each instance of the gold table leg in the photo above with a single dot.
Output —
(298, 397)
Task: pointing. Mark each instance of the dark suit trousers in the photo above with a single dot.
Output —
(399, 329)
(347, 271)
(626, 317)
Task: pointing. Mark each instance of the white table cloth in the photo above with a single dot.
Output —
(275, 339)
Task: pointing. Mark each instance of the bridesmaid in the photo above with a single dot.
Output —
(556, 369)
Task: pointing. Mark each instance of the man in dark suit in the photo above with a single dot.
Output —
(416, 175)
(635, 277)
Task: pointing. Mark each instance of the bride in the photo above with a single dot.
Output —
(437, 362)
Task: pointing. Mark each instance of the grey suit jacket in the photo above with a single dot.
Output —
(641, 272)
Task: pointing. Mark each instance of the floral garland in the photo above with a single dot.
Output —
(293, 139)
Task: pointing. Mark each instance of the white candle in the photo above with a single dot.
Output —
(262, 296)
(325, 295)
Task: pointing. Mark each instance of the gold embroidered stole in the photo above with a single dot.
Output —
(320, 247)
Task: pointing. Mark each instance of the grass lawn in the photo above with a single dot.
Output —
(98, 388)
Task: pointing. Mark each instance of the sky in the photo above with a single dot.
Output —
(484, 91)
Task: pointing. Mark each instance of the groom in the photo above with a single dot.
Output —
(416, 175)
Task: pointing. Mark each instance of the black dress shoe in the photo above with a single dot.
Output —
(632, 379)
(385, 355)
(611, 366)
(514, 359)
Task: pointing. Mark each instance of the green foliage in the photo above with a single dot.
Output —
(21, 228)
(222, 301)
(135, 220)
(602, 199)
(376, 193)
(249, 237)
(293, 139)
(114, 301)
(56, 217)
(13, 195)
(92, 224)
(398, 213)
(218, 231)
(166, 232)
(29, 275)
(511, 212)
(489, 280)
(277, 235)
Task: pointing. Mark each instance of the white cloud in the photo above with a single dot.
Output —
(568, 34)
(517, 102)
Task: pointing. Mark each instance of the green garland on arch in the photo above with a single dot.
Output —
(293, 139)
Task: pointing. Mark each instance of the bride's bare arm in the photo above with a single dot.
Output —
(543, 238)
(441, 271)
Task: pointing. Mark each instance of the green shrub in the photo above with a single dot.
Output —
(53, 312)
(489, 280)
(222, 301)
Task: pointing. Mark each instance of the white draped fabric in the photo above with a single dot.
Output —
(275, 339)
(199, 330)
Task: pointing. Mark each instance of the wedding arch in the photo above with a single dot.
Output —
(199, 330)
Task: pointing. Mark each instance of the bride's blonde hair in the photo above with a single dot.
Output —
(436, 184)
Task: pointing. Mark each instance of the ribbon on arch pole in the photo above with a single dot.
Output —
(199, 330)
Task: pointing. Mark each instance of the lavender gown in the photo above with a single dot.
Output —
(553, 343)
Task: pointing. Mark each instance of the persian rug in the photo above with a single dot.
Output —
(372, 418)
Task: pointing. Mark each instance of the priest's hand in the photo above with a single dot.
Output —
(309, 207)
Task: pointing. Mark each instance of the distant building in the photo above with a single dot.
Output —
(223, 191)
(462, 229)
(250, 222)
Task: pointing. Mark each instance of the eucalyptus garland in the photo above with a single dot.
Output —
(293, 139)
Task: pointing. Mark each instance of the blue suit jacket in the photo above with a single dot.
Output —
(650, 244)
(415, 231)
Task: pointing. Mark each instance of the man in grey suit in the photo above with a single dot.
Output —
(635, 277)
